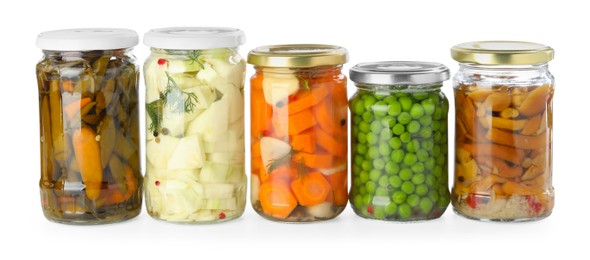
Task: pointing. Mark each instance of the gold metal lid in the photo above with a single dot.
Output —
(297, 55)
(502, 53)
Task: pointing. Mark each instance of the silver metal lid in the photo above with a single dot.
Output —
(399, 72)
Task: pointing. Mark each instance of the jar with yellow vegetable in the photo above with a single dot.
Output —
(504, 111)
(88, 106)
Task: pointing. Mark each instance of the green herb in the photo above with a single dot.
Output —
(176, 99)
(303, 82)
(195, 57)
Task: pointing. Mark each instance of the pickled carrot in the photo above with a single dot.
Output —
(339, 183)
(256, 149)
(284, 172)
(311, 189)
(510, 188)
(260, 119)
(510, 154)
(256, 82)
(516, 140)
(87, 154)
(305, 142)
(301, 121)
(330, 144)
(277, 199)
(73, 108)
(317, 160)
(307, 100)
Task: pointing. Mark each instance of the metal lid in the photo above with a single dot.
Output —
(399, 72)
(297, 55)
(194, 38)
(502, 53)
(87, 39)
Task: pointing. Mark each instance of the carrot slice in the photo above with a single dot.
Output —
(67, 85)
(73, 108)
(277, 199)
(300, 122)
(303, 102)
(311, 189)
(305, 142)
(330, 144)
(512, 188)
(256, 149)
(317, 160)
(517, 140)
(339, 183)
(284, 172)
(263, 174)
(261, 113)
(87, 154)
(256, 81)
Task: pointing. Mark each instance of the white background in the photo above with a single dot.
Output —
(370, 30)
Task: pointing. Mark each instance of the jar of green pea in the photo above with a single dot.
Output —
(399, 141)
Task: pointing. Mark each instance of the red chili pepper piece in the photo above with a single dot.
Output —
(472, 201)
(221, 215)
(370, 210)
(157, 183)
(162, 61)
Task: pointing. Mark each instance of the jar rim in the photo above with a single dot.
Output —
(298, 55)
(502, 53)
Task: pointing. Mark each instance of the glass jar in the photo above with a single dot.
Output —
(399, 141)
(503, 146)
(195, 124)
(90, 166)
(299, 132)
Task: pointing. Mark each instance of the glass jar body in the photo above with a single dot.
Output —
(299, 143)
(503, 145)
(90, 166)
(399, 152)
(195, 135)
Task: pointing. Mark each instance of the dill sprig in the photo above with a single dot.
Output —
(176, 99)
(195, 57)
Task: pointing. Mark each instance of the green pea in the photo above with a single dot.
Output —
(379, 164)
(413, 200)
(436, 150)
(390, 99)
(399, 197)
(395, 181)
(443, 126)
(384, 149)
(372, 138)
(395, 108)
(384, 181)
(426, 132)
(429, 163)
(440, 160)
(425, 120)
(361, 148)
(405, 137)
(443, 139)
(385, 134)
(373, 152)
(434, 97)
(364, 176)
(413, 146)
(410, 158)
(422, 155)
(437, 115)
(369, 102)
(436, 137)
(358, 106)
(422, 189)
(420, 95)
(364, 127)
(404, 118)
(367, 117)
(380, 109)
(390, 209)
(379, 212)
(433, 195)
(388, 121)
(398, 129)
(374, 175)
(429, 180)
(416, 111)
(362, 138)
(380, 95)
(397, 156)
(435, 125)
(418, 178)
(366, 165)
(406, 103)
(428, 106)
(395, 142)
(404, 210)
(363, 190)
(408, 187)
(401, 94)
(357, 119)
(356, 180)
(443, 201)
(427, 145)
(358, 160)
(414, 126)
(376, 127)
(437, 171)
(418, 167)
(357, 201)
(391, 168)
(382, 192)
(355, 130)
(426, 205)
(367, 199)
(405, 174)
(370, 186)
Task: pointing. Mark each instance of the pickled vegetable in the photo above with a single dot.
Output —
(503, 152)
(195, 138)
(399, 153)
(87, 102)
(299, 144)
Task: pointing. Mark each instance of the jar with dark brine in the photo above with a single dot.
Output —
(88, 106)
(399, 141)
(299, 132)
(503, 146)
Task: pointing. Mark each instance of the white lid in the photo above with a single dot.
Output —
(87, 39)
(194, 38)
